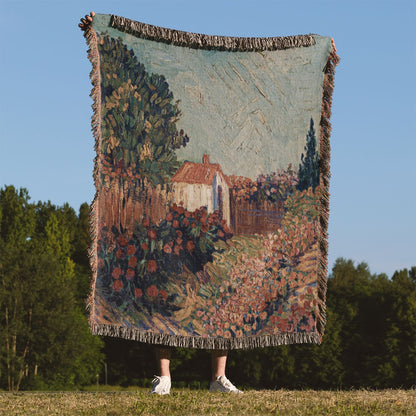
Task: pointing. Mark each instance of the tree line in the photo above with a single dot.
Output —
(45, 342)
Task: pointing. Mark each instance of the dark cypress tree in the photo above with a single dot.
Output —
(309, 166)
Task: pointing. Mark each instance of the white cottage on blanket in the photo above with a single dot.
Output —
(203, 184)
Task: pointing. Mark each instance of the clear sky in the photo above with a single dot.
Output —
(46, 144)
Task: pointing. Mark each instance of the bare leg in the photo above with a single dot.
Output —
(163, 360)
(162, 383)
(219, 381)
(218, 363)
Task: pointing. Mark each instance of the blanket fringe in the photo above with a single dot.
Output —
(204, 343)
(93, 56)
(325, 174)
(198, 40)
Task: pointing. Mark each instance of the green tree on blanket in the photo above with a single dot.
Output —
(139, 133)
(309, 167)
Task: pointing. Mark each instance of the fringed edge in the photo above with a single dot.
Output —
(204, 343)
(201, 41)
(95, 77)
(325, 174)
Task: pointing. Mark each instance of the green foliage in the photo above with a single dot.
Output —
(303, 204)
(309, 169)
(80, 244)
(44, 337)
(364, 303)
(17, 221)
(401, 334)
(139, 133)
(272, 187)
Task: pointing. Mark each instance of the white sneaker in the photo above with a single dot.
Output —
(223, 385)
(161, 385)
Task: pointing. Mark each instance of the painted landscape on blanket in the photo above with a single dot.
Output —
(184, 248)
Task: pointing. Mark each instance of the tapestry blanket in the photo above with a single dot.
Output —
(209, 223)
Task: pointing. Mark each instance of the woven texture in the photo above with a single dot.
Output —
(212, 173)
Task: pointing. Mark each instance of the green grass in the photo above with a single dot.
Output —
(201, 402)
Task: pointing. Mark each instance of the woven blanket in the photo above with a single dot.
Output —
(212, 172)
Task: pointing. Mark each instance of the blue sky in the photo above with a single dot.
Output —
(46, 144)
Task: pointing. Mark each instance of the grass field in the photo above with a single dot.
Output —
(201, 402)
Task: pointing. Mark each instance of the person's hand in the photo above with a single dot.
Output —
(86, 21)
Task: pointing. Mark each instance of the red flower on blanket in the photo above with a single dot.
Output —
(117, 285)
(163, 294)
(152, 291)
(151, 266)
(132, 261)
(117, 272)
(130, 274)
(167, 248)
(152, 234)
(190, 246)
(122, 241)
(138, 293)
(131, 250)
(283, 325)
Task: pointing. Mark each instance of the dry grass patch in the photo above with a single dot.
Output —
(201, 402)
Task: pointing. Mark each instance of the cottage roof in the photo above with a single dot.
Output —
(202, 173)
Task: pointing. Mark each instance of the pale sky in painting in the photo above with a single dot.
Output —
(249, 111)
(47, 147)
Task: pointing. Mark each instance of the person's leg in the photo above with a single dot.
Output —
(218, 363)
(163, 361)
(162, 383)
(219, 381)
